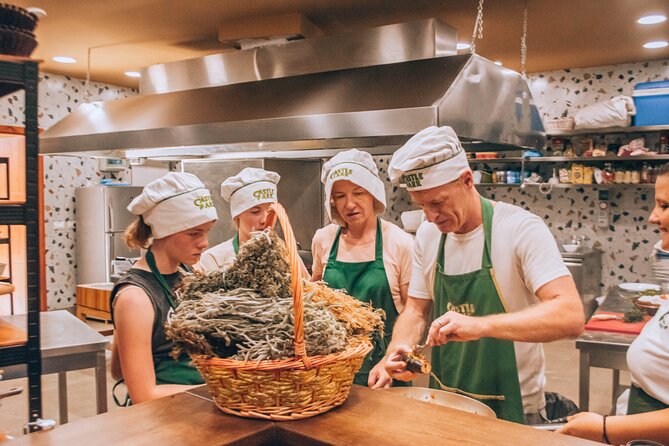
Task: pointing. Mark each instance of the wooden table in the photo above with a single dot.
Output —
(368, 417)
(603, 349)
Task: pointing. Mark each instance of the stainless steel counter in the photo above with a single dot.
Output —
(66, 344)
(602, 349)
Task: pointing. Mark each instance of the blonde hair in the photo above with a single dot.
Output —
(137, 234)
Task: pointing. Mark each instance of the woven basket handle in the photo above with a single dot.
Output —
(277, 212)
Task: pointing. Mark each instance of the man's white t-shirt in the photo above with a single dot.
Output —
(524, 257)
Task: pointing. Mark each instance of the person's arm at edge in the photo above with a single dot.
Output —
(133, 318)
(620, 429)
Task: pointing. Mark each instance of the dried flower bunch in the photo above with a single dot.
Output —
(246, 313)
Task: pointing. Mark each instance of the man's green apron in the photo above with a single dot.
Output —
(366, 281)
(641, 402)
(486, 367)
(170, 371)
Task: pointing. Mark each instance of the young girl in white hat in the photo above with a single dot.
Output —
(175, 214)
(250, 193)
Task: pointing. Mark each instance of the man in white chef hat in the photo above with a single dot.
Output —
(360, 252)
(487, 275)
(250, 194)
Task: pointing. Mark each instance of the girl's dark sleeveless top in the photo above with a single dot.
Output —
(160, 345)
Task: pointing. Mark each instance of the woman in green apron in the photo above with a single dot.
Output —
(368, 257)
(648, 361)
(175, 214)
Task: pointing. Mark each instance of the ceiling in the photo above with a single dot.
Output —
(123, 35)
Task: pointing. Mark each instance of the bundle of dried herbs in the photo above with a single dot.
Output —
(244, 326)
(261, 266)
(246, 312)
(359, 317)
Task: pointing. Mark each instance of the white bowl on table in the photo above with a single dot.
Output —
(571, 248)
(411, 220)
(638, 287)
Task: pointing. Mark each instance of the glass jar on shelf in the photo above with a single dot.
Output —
(636, 177)
(627, 178)
(619, 176)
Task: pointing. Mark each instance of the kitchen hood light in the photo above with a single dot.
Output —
(462, 46)
(37, 11)
(498, 63)
(656, 44)
(651, 19)
(133, 74)
(64, 59)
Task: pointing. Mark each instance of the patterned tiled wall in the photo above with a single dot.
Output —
(58, 96)
(627, 243)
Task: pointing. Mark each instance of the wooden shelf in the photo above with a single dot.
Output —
(608, 130)
(570, 186)
(595, 159)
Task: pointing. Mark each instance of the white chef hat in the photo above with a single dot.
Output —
(249, 188)
(174, 202)
(431, 158)
(357, 167)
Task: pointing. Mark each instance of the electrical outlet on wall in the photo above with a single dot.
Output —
(603, 207)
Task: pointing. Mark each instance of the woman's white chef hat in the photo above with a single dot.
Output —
(431, 158)
(357, 167)
(173, 203)
(249, 188)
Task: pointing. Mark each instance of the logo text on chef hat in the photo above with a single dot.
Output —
(264, 194)
(204, 202)
(413, 179)
(341, 172)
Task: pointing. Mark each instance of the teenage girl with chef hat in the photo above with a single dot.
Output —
(250, 193)
(369, 257)
(175, 214)
(648, 362)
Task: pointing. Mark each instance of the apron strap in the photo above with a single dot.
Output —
(379, 241)
(151, 261)
(235, 243)
(487, 213)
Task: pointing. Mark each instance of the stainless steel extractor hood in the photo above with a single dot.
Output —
(365, 106)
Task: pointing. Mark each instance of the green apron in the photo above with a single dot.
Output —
(235, 244)
(366, 281)
(486, 366)
(641, 402)
(170, 371)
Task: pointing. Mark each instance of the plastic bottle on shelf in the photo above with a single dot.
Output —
(664, 143)
(608, 175)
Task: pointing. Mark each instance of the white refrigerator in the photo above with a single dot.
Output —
(102, 217)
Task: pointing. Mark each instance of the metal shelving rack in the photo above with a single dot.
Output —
(19, 73)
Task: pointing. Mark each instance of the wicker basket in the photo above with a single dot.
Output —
(287, 389)
(560, 124)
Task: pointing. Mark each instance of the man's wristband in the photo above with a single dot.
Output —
(604, 436)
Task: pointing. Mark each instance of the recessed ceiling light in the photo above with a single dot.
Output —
(656, 44)
(651, 19)
(498, 62)
(463, 46)
(133, 74)
(37, 11)
(64, 59)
